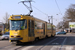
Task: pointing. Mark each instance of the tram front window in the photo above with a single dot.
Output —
(17, 24)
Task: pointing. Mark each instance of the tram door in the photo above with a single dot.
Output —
(31, 29)
(44, 28)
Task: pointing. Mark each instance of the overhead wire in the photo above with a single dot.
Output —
(35, 8)
(40, 11)
(43, 12)
(58, 6)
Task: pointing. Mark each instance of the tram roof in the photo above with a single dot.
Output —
(35, 18)
(31, 17)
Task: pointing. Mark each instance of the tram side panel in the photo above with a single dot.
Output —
(33, 28)
(39, 29)
(53, 30)
(31, 35)
(49, 31)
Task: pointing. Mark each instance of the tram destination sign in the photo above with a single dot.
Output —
(17, 17)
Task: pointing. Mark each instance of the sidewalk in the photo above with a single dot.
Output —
(69, 32)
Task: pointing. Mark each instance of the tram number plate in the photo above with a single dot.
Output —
(14, 36)
(15, 33)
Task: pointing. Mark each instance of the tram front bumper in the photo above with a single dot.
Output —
(15, 38)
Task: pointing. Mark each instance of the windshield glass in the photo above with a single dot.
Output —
(17, 24)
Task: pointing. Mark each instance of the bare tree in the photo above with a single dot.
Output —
(5, 19)
(60, 25)
(69, 15)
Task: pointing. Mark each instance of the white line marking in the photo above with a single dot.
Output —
(63, 43)
(55, 47)
(40, 48)
(27, 47)
(55, 43)
(14, 48)
(58, 47)
(69, 47)
(8, 46)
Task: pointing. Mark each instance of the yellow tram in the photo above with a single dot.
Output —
(24, 28)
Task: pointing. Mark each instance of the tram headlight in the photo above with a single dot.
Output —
(12, 36)
(18, 36)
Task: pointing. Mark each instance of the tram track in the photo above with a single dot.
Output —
(63, 43)
(60, 41)
(60, 46)
(28, 45)
(50, 42)
(39, 44)
(53, 43)
(31, 45)
(46, 44)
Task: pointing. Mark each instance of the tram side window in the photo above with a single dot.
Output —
(38, 25)
(25, 24)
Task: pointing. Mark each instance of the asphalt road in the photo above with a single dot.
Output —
(59, 42)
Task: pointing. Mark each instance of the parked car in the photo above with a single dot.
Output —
(61, 32)
(5, 36)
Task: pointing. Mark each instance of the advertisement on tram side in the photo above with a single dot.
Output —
(48, 26)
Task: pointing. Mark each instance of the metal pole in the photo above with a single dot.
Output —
(49, 19)
(52, 20)
(28, 7)
(52, 23)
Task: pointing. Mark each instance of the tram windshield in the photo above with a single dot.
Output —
(17, 24)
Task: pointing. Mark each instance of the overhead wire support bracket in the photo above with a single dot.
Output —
(29, 8)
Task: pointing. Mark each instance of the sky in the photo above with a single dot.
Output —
(46, 6)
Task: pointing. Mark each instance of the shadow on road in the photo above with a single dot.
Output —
(57, 40)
